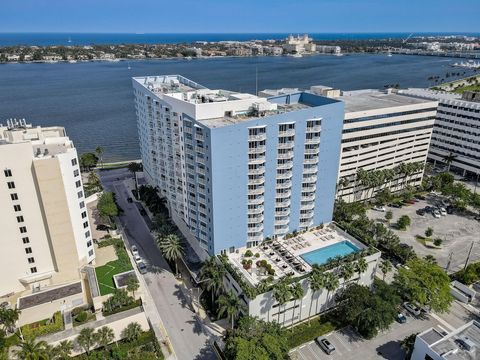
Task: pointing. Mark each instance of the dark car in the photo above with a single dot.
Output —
(450, 209)
(395, 205)
(129, 199)
(102, 227)
(401, 318)
(143, 212)
(421, 212)
(421, 197)
(428, 209)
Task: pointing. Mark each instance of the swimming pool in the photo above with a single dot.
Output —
(321, 256)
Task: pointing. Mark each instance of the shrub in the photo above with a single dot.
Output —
(271, 271)
(248, 253)
(429, 232)
(437, 242)
(41, 328)
(308, 331)
(257, 255)
(81, 317)
(403, 222)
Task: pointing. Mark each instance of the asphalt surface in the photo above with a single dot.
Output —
(187, 334)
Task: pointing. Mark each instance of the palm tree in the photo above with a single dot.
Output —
(346, 271)
(385, 267)
(448, 159)
(30, 349)
(104, 336)
(171, 248)
(86, 339)
(230, 305)
(132, 331)
(99, 152)
(135, 167)
(64, 349)
(282, 294)
(331, 284)
(132, 285)
(317, 282)
(361, 266)
(212, 274)
(8, 318)
(297, 294)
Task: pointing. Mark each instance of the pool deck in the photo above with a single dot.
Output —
(285, 254)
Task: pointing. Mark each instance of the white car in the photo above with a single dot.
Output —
(379, 208)
(443, 212)
(142, 268)
(137, 259)
(436, 214)
(134, 250)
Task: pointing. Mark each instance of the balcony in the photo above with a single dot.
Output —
(287, 155)
(257, 150)
(284, 212)
(258, 137)
(308, 197)
(310, 161)
(282, 222)
(257, 191)
(284, 185)
(307, 215)
(256, 210)
(287, 165)
(255, 238)
(255, 219)
(315, 140)
(284, 194)
(257, 160)
(285, 175)
(310, 170)
(309, 206)
(289, 132)
(256, 181)
(257, 171)
(257, 201)
(312, 151)
(256, 228)
(309, 188)
(310, 179)
(287, 145)
(315, 128)
(285, 202)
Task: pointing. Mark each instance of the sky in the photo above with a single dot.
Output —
(239, 16)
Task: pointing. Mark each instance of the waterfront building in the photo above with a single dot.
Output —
(462, 343)
(236, 168)
(45, 237)
(456, 131)
(327, 49)
(251, 274)
(383, 130)
(299, 44)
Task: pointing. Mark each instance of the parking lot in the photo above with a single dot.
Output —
(349, 345)
(458, 232)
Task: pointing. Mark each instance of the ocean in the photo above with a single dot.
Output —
(94, 100)
(45, 39)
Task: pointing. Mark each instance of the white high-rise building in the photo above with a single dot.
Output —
(45, 233)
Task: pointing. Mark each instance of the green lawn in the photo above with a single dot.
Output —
(462, 89)
(105, 274)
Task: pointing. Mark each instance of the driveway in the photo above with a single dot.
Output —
(350, 346)
(189, 337)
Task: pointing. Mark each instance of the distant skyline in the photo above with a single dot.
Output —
(246, 16)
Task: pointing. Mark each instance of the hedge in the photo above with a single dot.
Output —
(305, 332)
(40, 328)
(133, 305)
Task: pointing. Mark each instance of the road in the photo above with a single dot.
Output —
(187, 334)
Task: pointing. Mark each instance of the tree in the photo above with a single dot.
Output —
(437, 242)
(30, 349)
(211, 274)
(88, 161)
(132, 332)
(429, 232)
(230, 305)
(119, 299)
(403, 222)
(424, 283)
(171, 248)
(86, 339)
(297, 294)
(99, 152)
(104, 336)
(448, 159)
(331, 284)
(385, 268)
(135, 167)
(346, 272)
(132, 284)
(368, 311)
(64, 349)
(408, 344)
(317, 282)
(107, 207)
(389, 216)
(256, 339)
(8, 318)
(282, 293)
(360, 267)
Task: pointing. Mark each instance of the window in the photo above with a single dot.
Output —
(7, 172)
(90, 253)
(82, 205)
(26, 240)
(87, 234)
(76, 173)
(85, 224)
(33, 270)
(89, 243)
(11, 185)
(84, 215)
(23, 229)
(28, 250)
(31, 260)
(80, 194)
(19, 219)
(78, 183)
(17, 208)
(14, 196)
(74, 162)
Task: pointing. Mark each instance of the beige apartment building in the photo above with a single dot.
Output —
(382, 130)
(45, 233)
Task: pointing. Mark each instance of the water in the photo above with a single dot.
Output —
(94, 100)
(321, 256)
(45, 39)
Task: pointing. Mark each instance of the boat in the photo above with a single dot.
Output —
(72, 61)
(297, 55)
(69, 40)
(129, 67)
(389, 54)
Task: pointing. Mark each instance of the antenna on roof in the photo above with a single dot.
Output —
(256, 80)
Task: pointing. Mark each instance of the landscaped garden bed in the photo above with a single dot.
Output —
(43, 327)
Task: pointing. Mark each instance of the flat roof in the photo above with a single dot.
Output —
(47, 296)
(285, 255)
(364, 100)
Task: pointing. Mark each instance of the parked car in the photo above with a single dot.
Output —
(379, 208)
(137, 259)
(420, 197)
(436, 214)
(142, 267)
(401, 318)
(134, 250)
(450, 209)
(443, 212)
(421, 212)
(102, 227)
(325, 344)
(428, 209)
(396, 205)
(143, 212)
(412, 309)
(129, 199)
